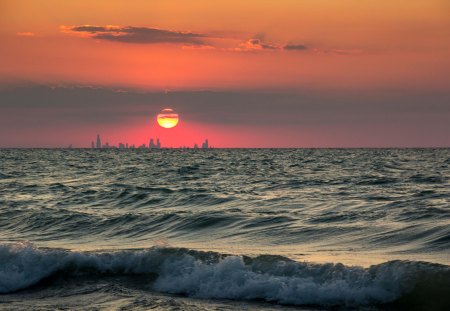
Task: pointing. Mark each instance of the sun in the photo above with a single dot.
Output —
(167, 118)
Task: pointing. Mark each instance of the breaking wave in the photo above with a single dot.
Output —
(218, 276)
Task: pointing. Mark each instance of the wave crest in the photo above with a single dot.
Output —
(212, 275)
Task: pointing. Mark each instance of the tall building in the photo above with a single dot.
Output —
(205, 144)
(152, 144)
(99, 142)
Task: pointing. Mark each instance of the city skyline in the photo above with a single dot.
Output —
(151, 145)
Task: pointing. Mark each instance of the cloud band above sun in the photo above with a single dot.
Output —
(129, 34)
(153, 35)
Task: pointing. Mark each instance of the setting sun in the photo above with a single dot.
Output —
(167, 118)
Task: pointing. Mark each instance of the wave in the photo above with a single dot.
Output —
(430, 179)
(219, 276)
(5, 176)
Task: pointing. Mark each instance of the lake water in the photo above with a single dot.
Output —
(225, 229)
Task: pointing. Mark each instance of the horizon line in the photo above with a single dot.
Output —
(211, 148)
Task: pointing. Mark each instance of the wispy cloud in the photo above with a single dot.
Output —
(295, 47)
(254, 45)
(339, 51)
(259, 44)
(26, 34)
(142, 35)
(198, 47)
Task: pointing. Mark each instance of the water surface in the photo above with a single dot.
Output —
(314, 228)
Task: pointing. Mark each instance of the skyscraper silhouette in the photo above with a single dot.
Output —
(99, 142)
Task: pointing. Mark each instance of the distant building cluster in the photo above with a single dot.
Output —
(205, 145)
(151, 145)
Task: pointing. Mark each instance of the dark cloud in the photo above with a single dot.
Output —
(295, 47)
(148, 35)
(392, 118)
(143, 35)
(86, 104)
(92, 29)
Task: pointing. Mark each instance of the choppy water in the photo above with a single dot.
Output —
(225, 229)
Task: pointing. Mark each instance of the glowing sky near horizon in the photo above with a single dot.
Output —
(356, 73)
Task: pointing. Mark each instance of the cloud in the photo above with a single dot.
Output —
(198, 47)
(188, 40)
(255, 44)
(260, 44)
(33, 113)
(142, 35)
(339, 51)
(102, 104)
(295, 47)
(95, 29)
(26, 34)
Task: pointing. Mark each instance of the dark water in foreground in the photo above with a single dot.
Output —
(225, 229)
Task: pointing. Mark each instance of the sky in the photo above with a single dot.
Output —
(254, 73)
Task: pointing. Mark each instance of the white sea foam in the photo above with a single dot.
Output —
(210, 275)
(231, 278)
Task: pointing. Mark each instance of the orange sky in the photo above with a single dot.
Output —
(349, 43)
(280, 46)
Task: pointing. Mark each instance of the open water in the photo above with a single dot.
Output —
(236, 229)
